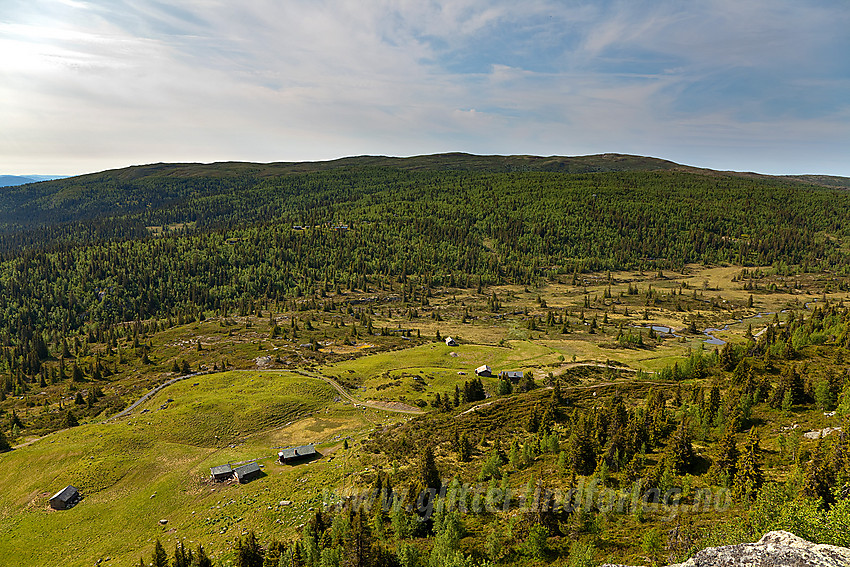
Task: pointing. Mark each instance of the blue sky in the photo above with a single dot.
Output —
(757, 85)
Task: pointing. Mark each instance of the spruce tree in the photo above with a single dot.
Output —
(749, 477)
(201, 559)
(713, 404)
(159, 558)
(726, 465)
(464, 448)
(681, 451)
(70, 420)
(429, 476)
(4, 443)
(248, 552)
(819, 477)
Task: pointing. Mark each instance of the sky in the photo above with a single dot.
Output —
(748, 85)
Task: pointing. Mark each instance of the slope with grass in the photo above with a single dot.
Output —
(155, 465)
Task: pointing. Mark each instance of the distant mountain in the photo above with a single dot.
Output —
(14, 180)
(227, 192)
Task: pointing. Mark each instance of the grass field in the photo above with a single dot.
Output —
(155, 465)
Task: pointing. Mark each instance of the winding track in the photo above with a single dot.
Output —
(396, 407)
(149, 395)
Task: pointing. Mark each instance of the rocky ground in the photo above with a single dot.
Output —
(775, 549)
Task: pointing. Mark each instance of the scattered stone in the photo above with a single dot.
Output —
(821, 433)
(286, 502)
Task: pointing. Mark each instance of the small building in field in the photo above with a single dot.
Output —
(221, 473)
(450, 341)
(296, 454)
(65, 498)
(512, 375)
(248, 472)
(484, 370)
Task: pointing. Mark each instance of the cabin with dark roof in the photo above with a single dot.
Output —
(248, 472)
(65, 498)
(221, 473)
(512, 375)
(296, 454)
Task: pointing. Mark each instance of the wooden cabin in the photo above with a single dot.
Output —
(247, 473)
(65, 498)
(296, 454)
(221, 473)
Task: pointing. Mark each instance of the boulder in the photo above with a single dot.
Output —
(775, 549)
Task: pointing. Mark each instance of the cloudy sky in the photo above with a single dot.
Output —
(86, 85)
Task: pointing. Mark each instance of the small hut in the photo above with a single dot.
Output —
(221, 473)
(248, 472)
(484, 370)
(512, 375)
(295, 454)
(65, 498)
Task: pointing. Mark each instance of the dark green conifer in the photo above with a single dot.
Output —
(749, 477)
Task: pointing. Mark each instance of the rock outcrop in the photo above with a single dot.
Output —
(775, 549)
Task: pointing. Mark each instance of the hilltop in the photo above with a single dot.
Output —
(127, 192)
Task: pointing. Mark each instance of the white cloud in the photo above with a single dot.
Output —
(88, 85)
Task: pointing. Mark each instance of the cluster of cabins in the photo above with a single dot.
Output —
(252, 470)
(484, 370)
(512, 375)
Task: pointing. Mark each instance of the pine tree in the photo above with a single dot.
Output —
(77, 373)
(557, 396)
(201, 559)
(182, 556)
(713, 404)
(357, 548)
(4, 443)
(514, 457)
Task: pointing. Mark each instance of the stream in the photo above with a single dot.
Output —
(710, 332)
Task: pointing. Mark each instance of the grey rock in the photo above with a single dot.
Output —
(775, 549)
